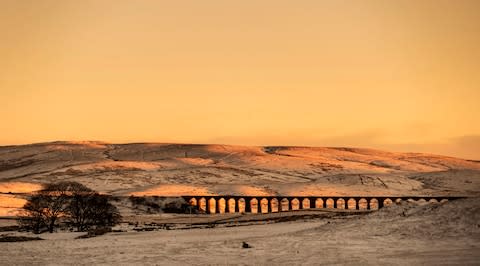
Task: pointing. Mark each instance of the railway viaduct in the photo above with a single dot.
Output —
(268, 204)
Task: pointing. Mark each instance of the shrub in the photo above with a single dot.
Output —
(96, 232)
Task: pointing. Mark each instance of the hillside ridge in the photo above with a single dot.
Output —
(172, 169)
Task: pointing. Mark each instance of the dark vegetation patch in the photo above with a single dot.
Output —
(6, 238)
(95, 232)
(12, 164)
(156, 204)
(9, 228)
(326, 166)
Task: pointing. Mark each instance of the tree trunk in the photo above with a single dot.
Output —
(51, 226)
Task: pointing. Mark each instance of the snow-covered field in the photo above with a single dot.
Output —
(406, 234)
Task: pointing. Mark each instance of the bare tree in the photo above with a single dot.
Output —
(93, 209)
(78, 204)
(57, 199)
(32, 216)
(102, 212)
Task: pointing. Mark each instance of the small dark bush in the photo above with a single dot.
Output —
(96, 232)
(137, 200)
(177, 207)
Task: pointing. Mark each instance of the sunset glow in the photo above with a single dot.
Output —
(402, 76)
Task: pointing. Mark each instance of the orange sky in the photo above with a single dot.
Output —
(397, 75)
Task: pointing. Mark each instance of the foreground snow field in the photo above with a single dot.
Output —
(402, 234)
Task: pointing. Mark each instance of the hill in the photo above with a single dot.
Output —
(176, 169)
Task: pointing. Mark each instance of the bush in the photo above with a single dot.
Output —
(96, 232)
(178, 207)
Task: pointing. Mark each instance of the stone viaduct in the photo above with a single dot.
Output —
(268, 204)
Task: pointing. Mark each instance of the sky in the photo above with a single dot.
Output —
(395, 75)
